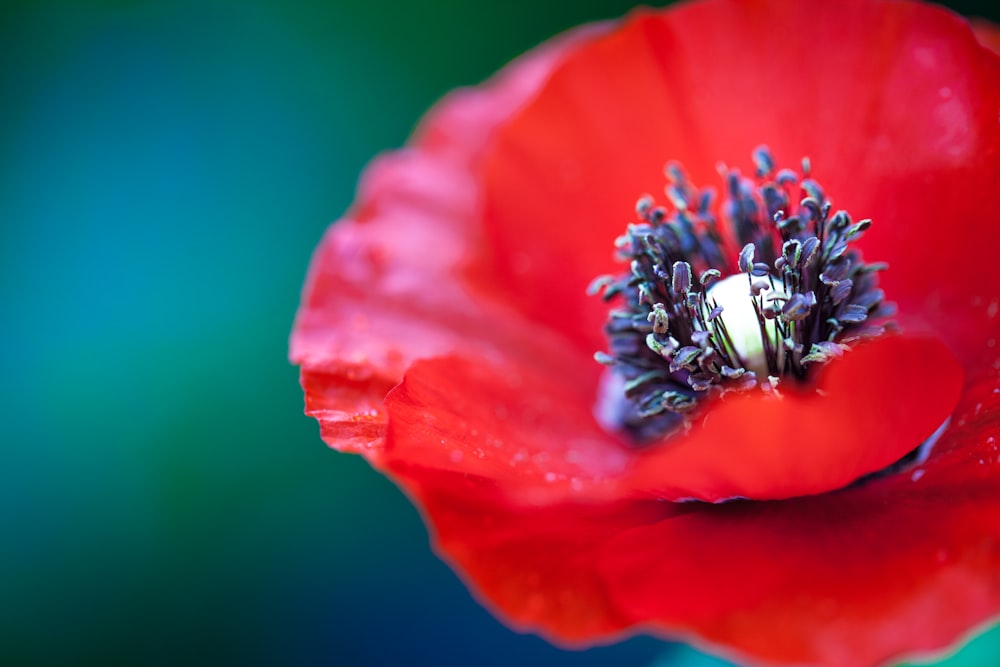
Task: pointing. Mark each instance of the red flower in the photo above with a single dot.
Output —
(446, 336)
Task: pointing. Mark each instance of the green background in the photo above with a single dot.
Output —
(166, 169)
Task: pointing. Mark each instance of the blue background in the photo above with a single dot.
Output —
(166, 169)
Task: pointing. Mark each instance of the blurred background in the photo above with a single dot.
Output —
(166, 169)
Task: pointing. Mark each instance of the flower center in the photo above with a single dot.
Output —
(797, 294)
(730, 294)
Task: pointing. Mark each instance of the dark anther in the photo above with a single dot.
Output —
(682, 278)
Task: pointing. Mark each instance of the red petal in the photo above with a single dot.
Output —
(385, 287)
(900, 565)
(903, 564)
(896, 104)
(844, 579)
(525, 430)
(532, 433)
(877, 403)
(536, 568)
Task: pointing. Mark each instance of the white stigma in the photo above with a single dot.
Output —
(740, 318)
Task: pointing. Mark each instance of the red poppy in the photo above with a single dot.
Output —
(445, 334)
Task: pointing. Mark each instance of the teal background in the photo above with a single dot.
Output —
(166, 169)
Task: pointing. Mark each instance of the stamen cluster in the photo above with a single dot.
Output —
(672, 343)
